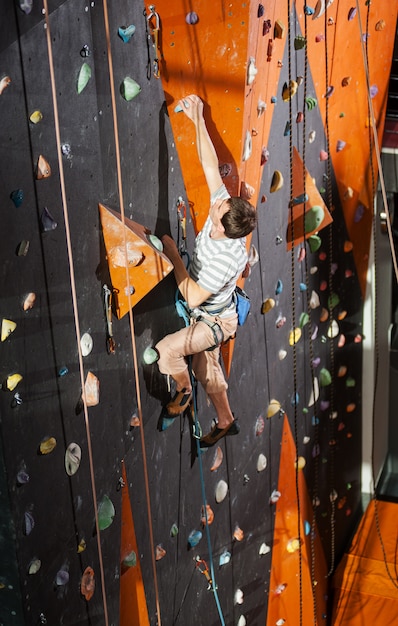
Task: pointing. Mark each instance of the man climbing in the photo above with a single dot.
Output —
(218, 259)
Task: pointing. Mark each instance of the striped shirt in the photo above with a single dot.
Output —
(217, 263)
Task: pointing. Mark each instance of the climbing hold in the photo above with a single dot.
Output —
(221, 491)
(238, 597)
(29, 523)
(125, 255)
(29, 301)
(264, 156)
(4, 82)
(129, 88)
(287, 130)
(264, 549)
(320, 37)
(307, 528)
(274, 497)
(301, 254)
(282, 354)
(242, 621)
(192, 18)
(311, 136)
(293, 545)
(86, 344)
(346, 81)
(22, 477)
(43, 169)
(314, 392)
(84, 77)
(130, 560)
(36, 117)
(126, 33)
(246, 191)
(251, 71)
(218, 458)
(279, 29)
(62, 577)
(225, 169)
(17, 197)
(160, 552)
(352, 13)
(314, 242)
(7, 327)
(325, 377)
(87, 583)
(259, 425)
(34, 566)
(304, 319)
(294, 336)
(238, 534)
(73, 456)
(323, 155)
(261, 462)
(281, 321)
(208, 517)
(311, 102)
(274, 407)
(48, 445)
(91, 389)
(374, 90)
(340, 145)
(350, 382)
(261, 107)
(48, 223)
(12, 381)
(299, 42)
(289, 90)
(295, 399)
(279, 287)
(82, 546)
(349, 193)
(225, 558)
(151, 355)
(276, 182)
(174, 530)
(23, 248)
(106, 513)
(266, 28)
(323, 315)
(300, 200)
(267, 305)
(274, 99)
(303, 287)
(26, 6)
(314, 334)
(314, 300)
(380, 25)
(359, 213)
(300, 463)
(260, 10)
(333, 300)
(194, 537)
(299, 117)
(309, 10)
(247, 148)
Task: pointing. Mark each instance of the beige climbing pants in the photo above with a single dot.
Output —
(194, 340)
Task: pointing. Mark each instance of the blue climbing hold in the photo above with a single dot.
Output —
(126, 33)
(194, 537)
(279, 287)
(17, 197)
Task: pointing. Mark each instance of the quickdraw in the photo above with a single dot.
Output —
(202, 566)
(108, 314)
(153, 21)
(182, 216)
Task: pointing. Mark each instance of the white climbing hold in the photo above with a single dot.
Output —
(282, 354)
(238, 598)
(314, 300)
(242, 621)
(251, 71)
(86, 344)
(314, 393)
(247, 149)
(261, 462)
(221, 490)
(333, 330)
(264, 549)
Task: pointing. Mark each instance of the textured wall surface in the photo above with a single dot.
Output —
(47, 514)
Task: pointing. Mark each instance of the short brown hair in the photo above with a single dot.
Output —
(240, 219)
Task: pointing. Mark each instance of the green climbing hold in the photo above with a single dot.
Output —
(350, 382)
(150, 356)
(130, 560)
(106, 513)
(313, 218)
(174, 530)
(299, 42)
(314, 243)
(84, 77)
(333, 301)
(129, 88)
(325, 378)
(304, 319)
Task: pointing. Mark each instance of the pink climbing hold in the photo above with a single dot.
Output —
(324, 285)
(323, 155)
(322, 256)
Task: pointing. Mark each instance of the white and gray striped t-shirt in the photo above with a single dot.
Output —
(217, 263)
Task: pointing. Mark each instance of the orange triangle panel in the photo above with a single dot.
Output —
(284, 595)
(135, 265)
(314, 199)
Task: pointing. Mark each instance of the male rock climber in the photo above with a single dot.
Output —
(218, 259)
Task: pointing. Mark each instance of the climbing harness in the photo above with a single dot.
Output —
(202, 566)
(153, 21)
(108, 313)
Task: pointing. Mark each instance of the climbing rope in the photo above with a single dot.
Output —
(74, 303)
(374, 145)
(131, 318)
(293, 300)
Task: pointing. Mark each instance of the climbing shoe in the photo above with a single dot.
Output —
(179, 402)
(217, 433)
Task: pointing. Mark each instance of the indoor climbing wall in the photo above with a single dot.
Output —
(108, 514)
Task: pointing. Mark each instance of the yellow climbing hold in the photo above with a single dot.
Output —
(7, 327)
(12, 381)
(276, 182)
(293, 545)
(294, 336)
(267, 305)
(273, 408)
(300, 463)
(289, 90)
(36, 117)
(48, 445)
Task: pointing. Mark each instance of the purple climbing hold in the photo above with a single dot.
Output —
(359, 213)
(330, 91)
(192, 18)
(316, 361)
(374, 90)
(62, 577)
(26, 6)
(29, 523)
(340, 145)
(22, 477)
(352, 13)
(266, 27)
(48, 223)
(260, 10)
(324, 405)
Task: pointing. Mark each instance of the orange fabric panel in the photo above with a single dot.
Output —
(133, 608)
(285, 565)
(364, 593)
(348, 105)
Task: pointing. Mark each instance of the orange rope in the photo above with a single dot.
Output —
(74, 300)
(133, 343)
